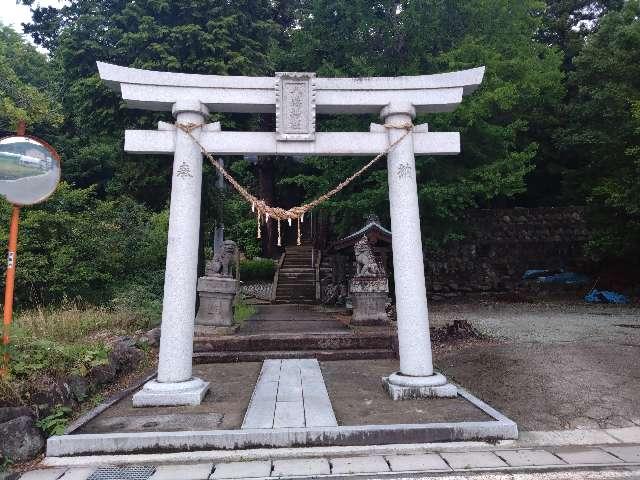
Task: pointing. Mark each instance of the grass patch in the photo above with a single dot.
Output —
(58, 342)
(242, 311)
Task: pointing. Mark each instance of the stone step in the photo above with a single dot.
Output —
(296, 288)
(284, 276)
(287, 327)
(293, 342)
(321, 355)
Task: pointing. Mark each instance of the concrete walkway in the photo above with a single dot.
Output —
(290, 393)
(579, 454)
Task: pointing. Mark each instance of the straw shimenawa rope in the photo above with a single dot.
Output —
(262, 209)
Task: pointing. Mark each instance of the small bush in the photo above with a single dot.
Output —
(242, 311)
(56, 423)
(257, 269)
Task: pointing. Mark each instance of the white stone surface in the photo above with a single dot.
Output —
(565, 437)
(527, 457)
(471, 460)
(289, 415)
(153, 90)
(301, 467)
(43, 474)
(408, 261)
(627, 434)
(351, 465)
(586, 456)
(399, 392)
(242, 470)
(156, 394)
(178, 309)
(197, 471)
(626, 453)
(289, 394)
(265, 143)
(424, 462)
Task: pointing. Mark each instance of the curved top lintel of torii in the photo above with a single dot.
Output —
(158, 91)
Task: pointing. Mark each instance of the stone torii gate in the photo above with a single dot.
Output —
(295, 98)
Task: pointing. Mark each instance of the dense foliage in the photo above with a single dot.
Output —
(257, 269)
(555, 122)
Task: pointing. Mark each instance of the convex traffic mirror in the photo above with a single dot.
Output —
(29, 170)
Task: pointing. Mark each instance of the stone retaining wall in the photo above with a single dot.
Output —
(502, 244)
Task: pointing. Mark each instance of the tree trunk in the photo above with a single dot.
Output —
(265, 184)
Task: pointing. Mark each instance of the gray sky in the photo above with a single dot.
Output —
(13, 14)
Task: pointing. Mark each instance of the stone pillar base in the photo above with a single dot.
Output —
(156, 394)
(369, 301)
(216, 301)
(403, 387)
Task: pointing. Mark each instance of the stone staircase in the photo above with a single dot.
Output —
(296, 277)
(295, 331)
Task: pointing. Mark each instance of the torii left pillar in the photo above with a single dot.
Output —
(175, 384)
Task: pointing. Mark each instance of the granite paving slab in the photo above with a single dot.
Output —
(586, 456)
(353, 465)
(242, 470)
(529, 458)
(470, 460)
(289, 394)
(301, 467)
(423, 462)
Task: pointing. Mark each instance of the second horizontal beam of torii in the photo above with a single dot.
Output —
(162, 141)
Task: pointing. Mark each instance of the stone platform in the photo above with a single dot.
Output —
(295, 331)
(363, 413)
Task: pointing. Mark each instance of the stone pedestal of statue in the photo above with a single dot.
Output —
(369, 299)
(216, 302)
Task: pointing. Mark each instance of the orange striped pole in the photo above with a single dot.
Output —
(11, 274)
(9, 285)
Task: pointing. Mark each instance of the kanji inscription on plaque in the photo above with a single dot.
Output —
(295, 106)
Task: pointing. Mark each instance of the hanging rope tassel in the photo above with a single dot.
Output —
(299, 238)
(279, 238)
(258, 222)
(299, 211)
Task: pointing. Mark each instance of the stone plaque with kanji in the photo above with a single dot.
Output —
(295, 106)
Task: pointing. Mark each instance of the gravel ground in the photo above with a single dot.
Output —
(546, 322)
(551, 365)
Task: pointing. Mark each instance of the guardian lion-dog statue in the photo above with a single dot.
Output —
(366, 263)
(224, 261)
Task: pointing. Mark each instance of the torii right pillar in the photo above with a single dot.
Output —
(416, 378)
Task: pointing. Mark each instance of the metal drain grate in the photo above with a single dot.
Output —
(132, 472)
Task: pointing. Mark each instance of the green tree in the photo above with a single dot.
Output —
(603, 139)
(567, 22)
(25, 85)
(502, 124)
(77, 247)
(194, 36)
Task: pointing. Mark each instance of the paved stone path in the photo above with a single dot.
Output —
(612, 458)
(290, 393)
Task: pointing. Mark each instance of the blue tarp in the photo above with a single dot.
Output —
(604, 296)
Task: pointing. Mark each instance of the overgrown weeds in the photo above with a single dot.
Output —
(242, 310)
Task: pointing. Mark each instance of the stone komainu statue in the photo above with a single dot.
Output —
(224, 261)
(366, 263)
